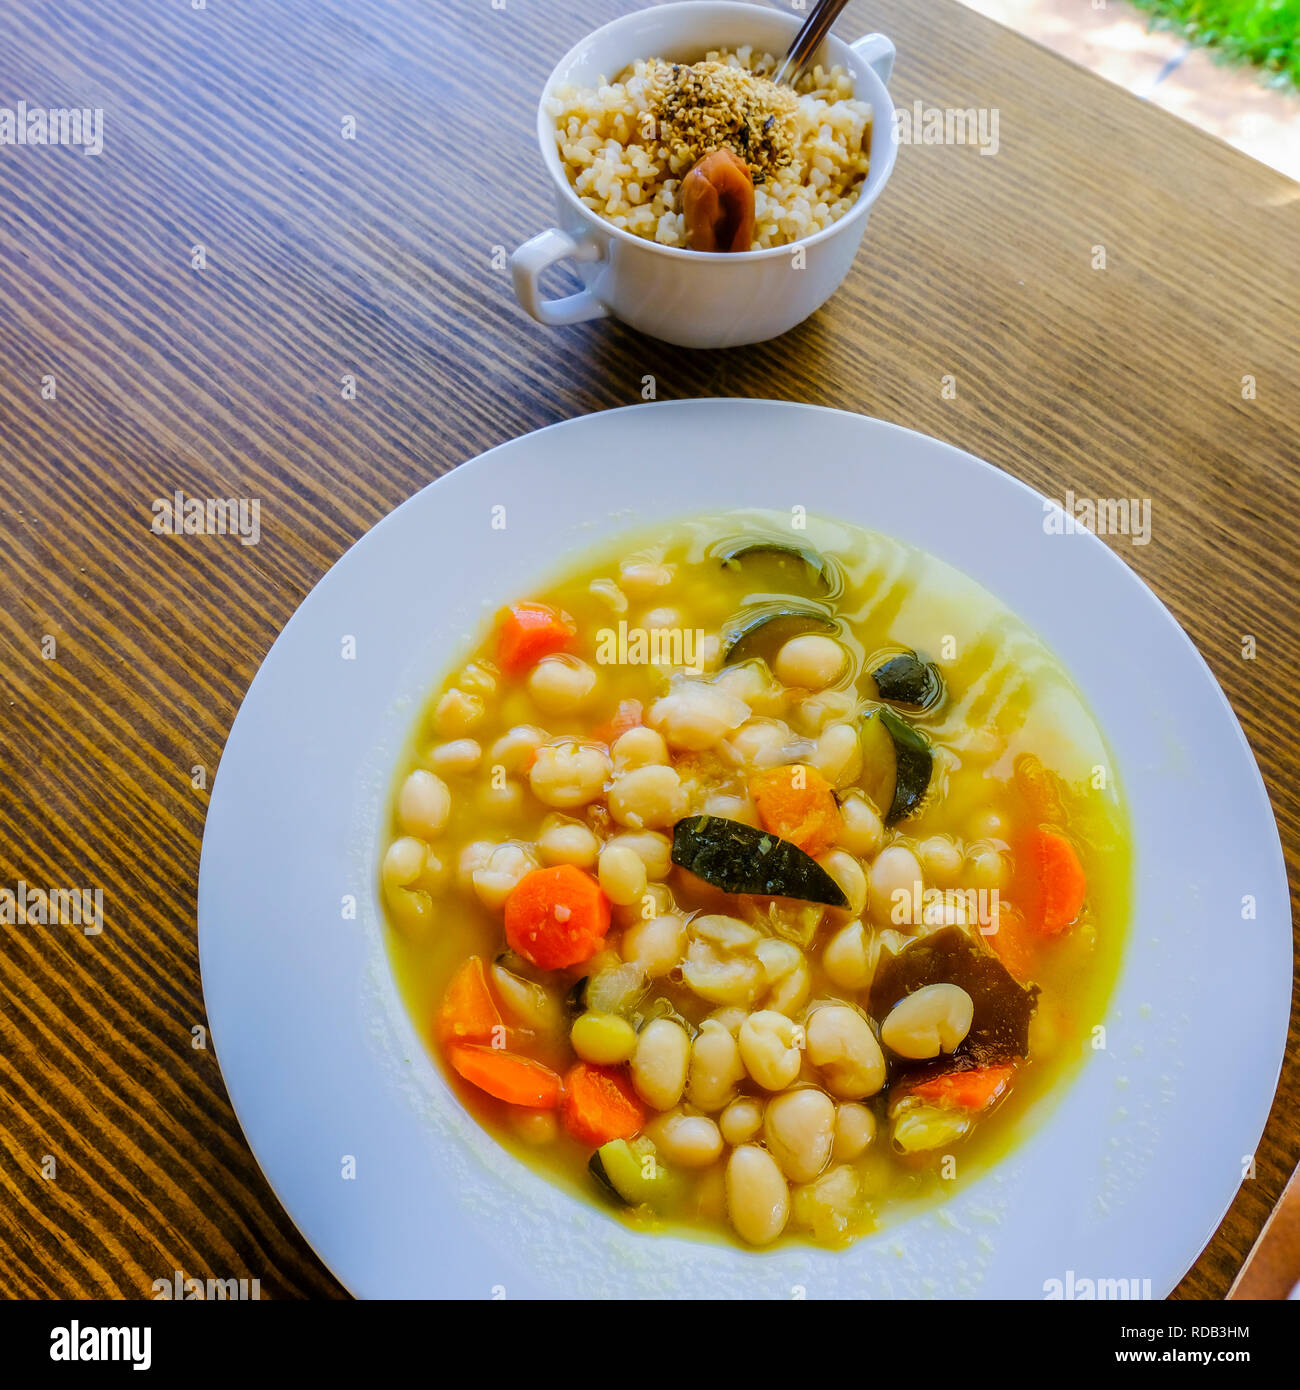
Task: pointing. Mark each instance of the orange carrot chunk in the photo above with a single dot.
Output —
(468, 1012)
(627, 716)
(966, 1090)
(507, 1076)
(1057, 883)
(798, 804)
(556, 917)
(1013, 943)
(526, 632)
(599, 1105)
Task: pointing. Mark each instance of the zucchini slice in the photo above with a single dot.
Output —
(896, 763)
(762, 630)
(909, 681)
(740, 858)
(621, 1170)
(792, 563)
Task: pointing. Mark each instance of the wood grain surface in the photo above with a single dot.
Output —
(374, 257)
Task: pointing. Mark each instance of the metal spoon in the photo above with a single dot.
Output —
(808, 40)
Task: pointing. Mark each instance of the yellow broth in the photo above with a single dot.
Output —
(1006, 696)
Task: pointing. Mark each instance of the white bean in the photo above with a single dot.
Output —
(790, 993)
(741, 1120)
(659, 1063)
(940, 859)
(563, 841)
(826, 1205)
(641, 578)
(758, 1200)
(526, 1002)
(473, 856)
(495, 879)
(846, 959)
(746, 681)
(730, 807)
(655, 945)
(460, 755)
(850, 875)
(838, 754)
(695, 715)
(424, 804)
(715, 1068)
(931, 1020)
(816, 712)
(515, 748)
(561, 684)
(721, 979)
(639, 747)
(647, 797)
(688, 1141)
(844, 1049)
(895, 870)
(457, 713)
(404, 862)
(622, 874)
(567, 775)
(769, 1048)
(609, 593)
(988, 869)
(799, 1127)
(653, 849)
(862, 828)
(760, 742)
(855, 1128)
(810, 661)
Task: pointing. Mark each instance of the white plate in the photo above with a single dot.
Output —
(1128, 1176)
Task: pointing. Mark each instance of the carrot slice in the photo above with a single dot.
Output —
(527, 632)
(507, 1076)
(556, 917)
(966, 1090)
(626, 716)
(468, 1012)
(1055, 885)
(1013, 943)
(798, 804)
(599, 1105)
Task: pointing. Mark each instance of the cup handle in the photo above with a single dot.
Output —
(878, 53)
(533, 257)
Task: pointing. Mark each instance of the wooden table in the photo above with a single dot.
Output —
(373, 257)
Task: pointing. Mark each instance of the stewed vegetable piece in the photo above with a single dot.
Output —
(908, 681)
(898, 763)
(741, 859)
(762, 630)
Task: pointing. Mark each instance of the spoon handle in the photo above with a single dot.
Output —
(808, 39)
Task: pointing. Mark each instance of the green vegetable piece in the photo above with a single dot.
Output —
(630, 1173)
(762, 630)
(740, 858)
(897, 763)
(907, 680)
(796, 563)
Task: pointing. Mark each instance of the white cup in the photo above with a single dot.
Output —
(699, 299)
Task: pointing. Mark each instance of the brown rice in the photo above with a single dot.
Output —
(626, 155)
